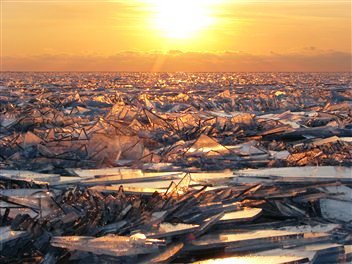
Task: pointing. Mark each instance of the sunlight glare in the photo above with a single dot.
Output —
(182, 18)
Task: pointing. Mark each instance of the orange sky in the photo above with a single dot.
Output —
(176, 35)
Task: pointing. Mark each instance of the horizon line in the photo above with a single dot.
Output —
(102, 71)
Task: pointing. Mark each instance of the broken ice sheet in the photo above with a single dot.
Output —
(317, 228)
(40, 202)
(29, 175)
(109, 245)
(6, 234)
(31, 139)
(8, 120)
(205, 145)
(63, 120)
(144, 185)
(340, 192)
(223, 239)
(123, 173)
(309, 173)
(333, 252)
(336, 210)
(129, 179)
(183, 185)
(152, 185)
(28, 201)
(14, 210)
(155, 120)
(247, 214)
(112, 148)
(169, 229)
(127, 189)
(29, 192)
(166, 255)
(304, 254)
(280, 155)
(120, 111)
(247, 149)
(320, 141)
(278, 259)
(206, 177)
(235, 117)
(162, 167)
(184, 121)
(292, 119)
(207, 225)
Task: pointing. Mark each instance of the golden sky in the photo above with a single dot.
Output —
(176, 35)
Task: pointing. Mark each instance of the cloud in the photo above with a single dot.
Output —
(307, 59)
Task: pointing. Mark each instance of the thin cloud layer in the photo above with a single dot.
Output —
(309, 59)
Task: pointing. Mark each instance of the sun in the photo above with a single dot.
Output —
(180, 19)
